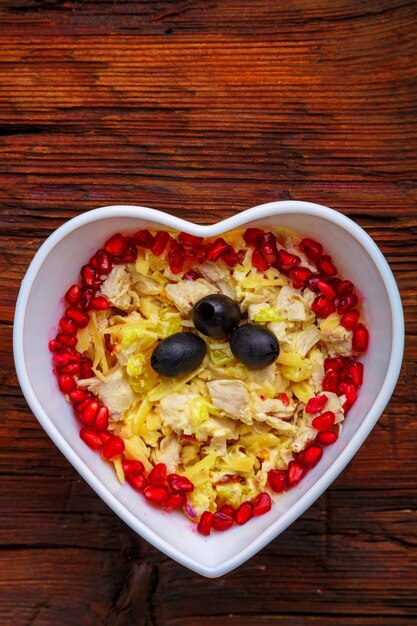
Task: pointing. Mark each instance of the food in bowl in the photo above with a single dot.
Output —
(211, 372)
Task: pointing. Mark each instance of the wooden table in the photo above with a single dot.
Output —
(203, 108)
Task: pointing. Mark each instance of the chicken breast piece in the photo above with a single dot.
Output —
(231, 397)
(272, 411)
(174, 411)
(219, 276)
(266, 375)
(338, 341)
(306, 339)
(146, 285)
(185, 294)
(115, 392)
(218, 429)
(168, 452)
(117, 289)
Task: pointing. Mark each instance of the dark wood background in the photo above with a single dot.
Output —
(203, 108)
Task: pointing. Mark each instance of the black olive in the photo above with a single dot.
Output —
(216, 315)
(254, 345)
(178, 354)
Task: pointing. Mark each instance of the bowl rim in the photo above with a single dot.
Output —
(269, 209)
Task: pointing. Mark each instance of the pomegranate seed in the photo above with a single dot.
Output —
(144, 239)
(113, 447)
(313, 282)
(299, 276)
(86, 370)
(132, 468)
(323, 307)
(91, 438)
(205, 523)
(189, 240)
(326, 437)
(325, 266)
(180, 483)
(278, 480)
(312, 249)
(328, 291)
(216, 249)
(251, 235)
(157, 495)
(78, 395)
(243, 513)
(241, 256)
(78, 316)
(354, 373)
(295, 473)
(360, 338)
(86, 298)
(54, 345)
(334, 282)
(335, 363)
(81, 406)
(350, 320)
(227, 510)
(88, 274)
(262, 504)
(73, 295)
(110, 347)
(174, 245)
(330, 381)
(67, 326)
(198, 253)
(59, 360)
(104, 437)
(66, 383)
(101, 421)
(221, 521)
(284, 399)
(158, 474)
(258, 261)
(348, 390)
(310, 456)
(116, 245)
(347, 303)
(314, 405)
(130, 253)
(160, 243)
(66, 340)
(267, 246)
(324, 421)
(71, 355)
(230, 257)
(192, 275)
(100, 303)
(137, 482)
(103, 261)
(175, 500)
(72, 368)
(344, 288)
(176, 261)
(286, 260)
(89, 413)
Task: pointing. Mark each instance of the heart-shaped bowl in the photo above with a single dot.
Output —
(56, 266)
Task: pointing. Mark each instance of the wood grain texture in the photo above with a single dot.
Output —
(203, 108)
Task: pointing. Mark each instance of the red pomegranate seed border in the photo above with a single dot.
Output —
(343, 376)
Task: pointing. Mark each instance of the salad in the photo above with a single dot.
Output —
(210, 372)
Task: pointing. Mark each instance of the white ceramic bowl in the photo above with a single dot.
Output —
(55, 267)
